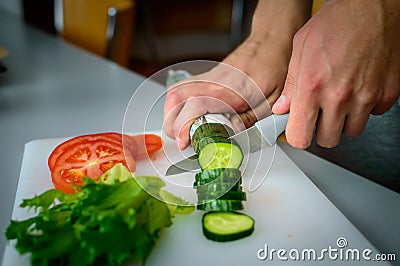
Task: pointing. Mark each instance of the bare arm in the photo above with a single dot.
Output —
(264, 56)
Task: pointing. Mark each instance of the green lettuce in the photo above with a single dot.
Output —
(105, 222)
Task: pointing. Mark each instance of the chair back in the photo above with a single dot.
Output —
(103, 27)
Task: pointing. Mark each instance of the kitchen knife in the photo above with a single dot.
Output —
(263, 134)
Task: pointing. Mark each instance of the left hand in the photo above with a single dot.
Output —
(345, 65)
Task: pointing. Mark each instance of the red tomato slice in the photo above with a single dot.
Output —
(90, 158)
(65, 146)
(143, 145)
(139, 146)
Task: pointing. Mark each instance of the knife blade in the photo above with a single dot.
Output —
(262, 134)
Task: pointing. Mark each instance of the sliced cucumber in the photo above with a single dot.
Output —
(230, 195)
(223, 175)
(211, 142)
(220, 205)
(210, 130)
(210, 139)
(213, 183)
(220, 155)
(218, 186)
(227, 226)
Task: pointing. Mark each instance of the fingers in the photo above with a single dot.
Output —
(329, 128)
(297, 97)
(389, 95)
(193, 108)
(301, 124)
(173, 105)
(238, 123)
(282, 105)
(355, 124)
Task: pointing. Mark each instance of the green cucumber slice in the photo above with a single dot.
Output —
(230, 195)
(210, 139)
(220, 192)
(222, 174)
(227, 226)
(227, 184)
(210, 130)
(220, 205)
(218, 186)
(220, 155)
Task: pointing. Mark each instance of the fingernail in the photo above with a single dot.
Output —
(279, 103)
(281, 100)
(180, 143)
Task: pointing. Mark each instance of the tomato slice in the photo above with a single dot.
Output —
(65, 146)
(140, 146)
(93, 154)
(90, 158)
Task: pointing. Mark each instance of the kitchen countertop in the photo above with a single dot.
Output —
(374, 154)
(53, 89)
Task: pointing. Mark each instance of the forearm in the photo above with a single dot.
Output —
(279, 18)
(275, 22)
(265, 54)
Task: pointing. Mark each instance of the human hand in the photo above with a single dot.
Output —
(345, 65)
(223, 89)
(226, 89)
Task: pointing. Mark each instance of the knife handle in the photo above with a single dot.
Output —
(272, 126)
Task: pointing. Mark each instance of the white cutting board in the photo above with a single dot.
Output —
(290, 213)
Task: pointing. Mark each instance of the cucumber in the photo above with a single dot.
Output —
(217, 183)
(207, 140)
(218, 186)
(223, 175)
(211, 142)
(227, 226)
(210, 130)
(220, 205)
(220, 155)
(230, 195)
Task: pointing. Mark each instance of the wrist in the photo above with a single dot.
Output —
(279, 18)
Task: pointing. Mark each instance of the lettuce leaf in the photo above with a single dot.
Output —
(106, 222)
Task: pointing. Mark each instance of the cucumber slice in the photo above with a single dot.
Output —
(220, 192)
(220, 155)
(211, 142)
(218, 186)
(222, 183)
(210, 130)
(230, 195)
(223, 175)
(227, 226)
(220, 205)
(210, 139)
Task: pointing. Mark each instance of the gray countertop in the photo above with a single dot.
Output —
(52, 89)
(374, 154)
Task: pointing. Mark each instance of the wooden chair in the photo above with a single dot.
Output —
(103, 27)
(317, 4)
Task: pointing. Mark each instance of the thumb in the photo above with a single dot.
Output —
(282, 105)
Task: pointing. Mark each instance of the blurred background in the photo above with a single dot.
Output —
(148, 35)
(142, 35)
